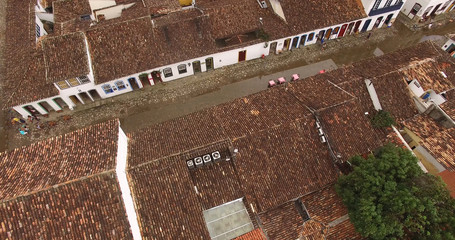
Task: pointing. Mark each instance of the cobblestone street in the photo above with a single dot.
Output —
(167, 100)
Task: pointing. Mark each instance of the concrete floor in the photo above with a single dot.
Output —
(165, 101)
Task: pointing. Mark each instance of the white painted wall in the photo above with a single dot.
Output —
(409, 4)
(41, 26)
(120, 170)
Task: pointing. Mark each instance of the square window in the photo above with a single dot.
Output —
(62, 85)
(83, 79)
(167, 72)
(73, 82)
(120, 85)
(182, 68)
(310, 37)
(107, 88)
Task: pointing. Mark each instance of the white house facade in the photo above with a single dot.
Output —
(424, 9)
(82, 87)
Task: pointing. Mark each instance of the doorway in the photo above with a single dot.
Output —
(365, 26)
(156, 76)
(31, 110)
(75, 100)
(342, 30)
(356, 26)
(286, 44)
(46, 106)
(414, 10)
(209, 63)
(328, 33)
(242, 56)
(302, 40)
(59, 101)
(85, 97)
(131, 81)
(435, 9)
(295, 41)
(350, 28)
(272, 48)
(388, 19)
(378, 22)
(95, 95)
(196, 66)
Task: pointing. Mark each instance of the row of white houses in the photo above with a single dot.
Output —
(82, 90)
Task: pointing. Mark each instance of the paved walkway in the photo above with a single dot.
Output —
(223, 94)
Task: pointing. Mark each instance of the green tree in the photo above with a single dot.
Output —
(389, 197)
(382, 119)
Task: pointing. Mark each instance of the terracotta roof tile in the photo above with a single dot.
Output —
(60, 159)
(349, 130)
(65, 10)
(394, 96)
(438, 140)
(449, 106)
(173, 137)
(303, 16)
(449, 178)
(259, 111)
(282, 223)
(256, 234)
(166, 202)
(343, 231)
(324, 205)
(318, 93)
(428, 73)
(277, 165)
(66, 57)
(25, 73)
(84, 209)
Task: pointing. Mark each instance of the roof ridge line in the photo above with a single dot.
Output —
(57, 185)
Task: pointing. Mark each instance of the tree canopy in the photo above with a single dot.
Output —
(389, 197)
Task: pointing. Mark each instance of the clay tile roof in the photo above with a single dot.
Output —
(173, 137)
(256, 234)
(259, 111)
(449, 178)
(227, 20)
(349, 130)
(428, 73)
(89, 208)
(399, 101)
(283, 163)
(133, 46)
(60, 159)
(343, 231)
(324, 205)
(437, 140)
(166, 202)
(65, 10)
(309, 15)
(282, 223)
(449, 106)
(24, 80)
(318, 93)
(66, 57)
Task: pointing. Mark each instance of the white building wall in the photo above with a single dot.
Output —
(41, 26)
(219, 60)
(409, 4)
(120, 170)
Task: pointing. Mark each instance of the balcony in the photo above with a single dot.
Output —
(383, 10)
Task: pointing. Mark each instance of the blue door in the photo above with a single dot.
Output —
(365, 26)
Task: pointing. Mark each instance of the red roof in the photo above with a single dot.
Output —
(449, 178)
(256, 234)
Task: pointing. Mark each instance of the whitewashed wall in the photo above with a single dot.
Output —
(120, 170)
(409, 4)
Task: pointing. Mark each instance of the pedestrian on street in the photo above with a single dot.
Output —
(369, 35)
